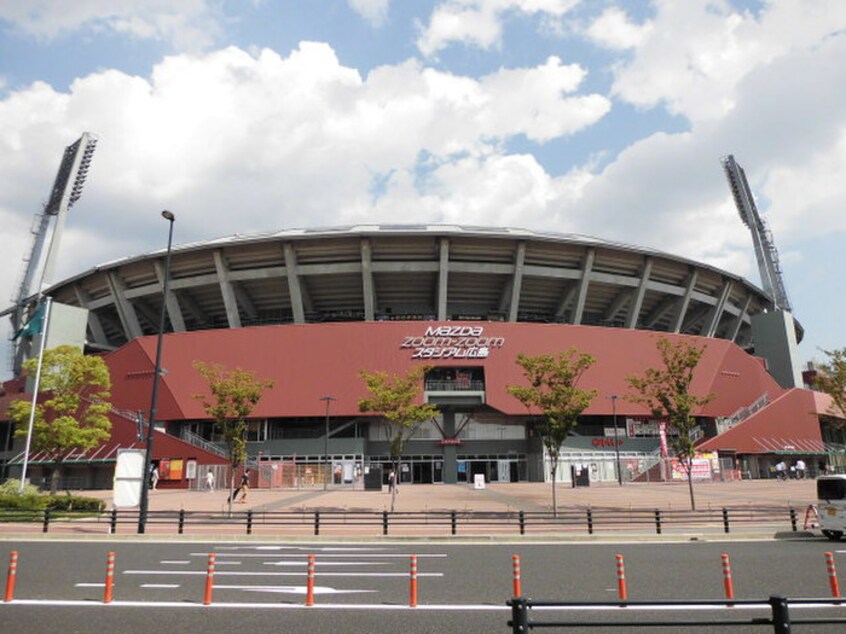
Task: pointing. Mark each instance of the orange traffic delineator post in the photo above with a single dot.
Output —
(412, 598)
(727, 582)
(621, 578)
(310, 582)
(518, 587)
(207, 597)
(832, 575)
(110, 577)
(10, 578)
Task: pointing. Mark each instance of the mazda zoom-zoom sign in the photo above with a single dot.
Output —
(452, 342)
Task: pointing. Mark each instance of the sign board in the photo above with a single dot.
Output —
(479, 481)
(452, 342)
(129, 478)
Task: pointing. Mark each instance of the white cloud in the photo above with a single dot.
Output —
(479, 22)
(374, 11)
(699, 52)
(187, 24)
(234, 142)
(614, 30)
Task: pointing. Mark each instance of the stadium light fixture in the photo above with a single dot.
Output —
(328, 400)
(148, 453)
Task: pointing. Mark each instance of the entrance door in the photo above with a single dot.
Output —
(438, 471)
(422, 472)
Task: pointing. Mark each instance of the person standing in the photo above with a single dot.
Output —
(392, 480)
(210, 481)
(154, 477)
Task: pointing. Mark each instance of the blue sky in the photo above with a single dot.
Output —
(601, 117)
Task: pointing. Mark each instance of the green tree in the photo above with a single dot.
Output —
(666, 392)
(74, 414)
(234, 395)
(553, 391)
(831, 379)
(394, 399)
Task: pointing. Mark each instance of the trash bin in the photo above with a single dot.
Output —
(580, 475)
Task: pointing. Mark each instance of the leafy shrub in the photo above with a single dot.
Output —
(12, 487)
(74, 503)
(34, 500)
(24, 502)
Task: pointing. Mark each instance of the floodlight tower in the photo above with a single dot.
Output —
(47, 229)
(765, 250)
(775, 334)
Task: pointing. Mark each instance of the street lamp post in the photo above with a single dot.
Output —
(148, 453)
(328, 400)
(614, 398)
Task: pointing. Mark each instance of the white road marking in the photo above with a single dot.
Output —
(383, 606)
(159, 585)
(290, 589)
(90, 585)
(279, 574)
(303, 548)
(263, 606)
(175, 561)
(335, 555)
(303, 563)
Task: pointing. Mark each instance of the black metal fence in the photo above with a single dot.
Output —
(585, 521)
(778, 618)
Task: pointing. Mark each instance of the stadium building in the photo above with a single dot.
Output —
(312, 308)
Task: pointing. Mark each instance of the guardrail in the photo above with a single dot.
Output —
(779, 618)
(589, 521)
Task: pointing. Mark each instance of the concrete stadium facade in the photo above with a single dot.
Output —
(372, 273)
(311, 308)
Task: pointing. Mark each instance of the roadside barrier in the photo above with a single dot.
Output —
(832, 575)
(110, 578)
(591, 520)
(779, 617)
(207, 597)
(515, 564)
(622, 591)
(310, 582)
(727, 582)
(10, 578)
(412, 590)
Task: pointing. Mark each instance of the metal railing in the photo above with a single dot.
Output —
(779, 617)
(431, 523)
(202, 443)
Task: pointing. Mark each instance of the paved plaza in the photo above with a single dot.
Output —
(526, 496)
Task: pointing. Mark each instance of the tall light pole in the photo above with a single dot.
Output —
(328, 400)
(148, 453)
(614, 398)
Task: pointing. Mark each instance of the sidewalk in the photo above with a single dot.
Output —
(526, 496)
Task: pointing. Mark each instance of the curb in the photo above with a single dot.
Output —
(540, 538)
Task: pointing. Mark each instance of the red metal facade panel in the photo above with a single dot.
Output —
(786, 424)
(313, 360)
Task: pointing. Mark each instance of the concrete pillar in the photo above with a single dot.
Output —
(450, 451)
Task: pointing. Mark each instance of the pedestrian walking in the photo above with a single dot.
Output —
(392, 480)
(210, 481)
(154, 477)
(245, 486)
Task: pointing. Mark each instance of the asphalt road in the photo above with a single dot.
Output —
(364, 587)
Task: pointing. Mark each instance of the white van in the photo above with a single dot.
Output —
(831, 493)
